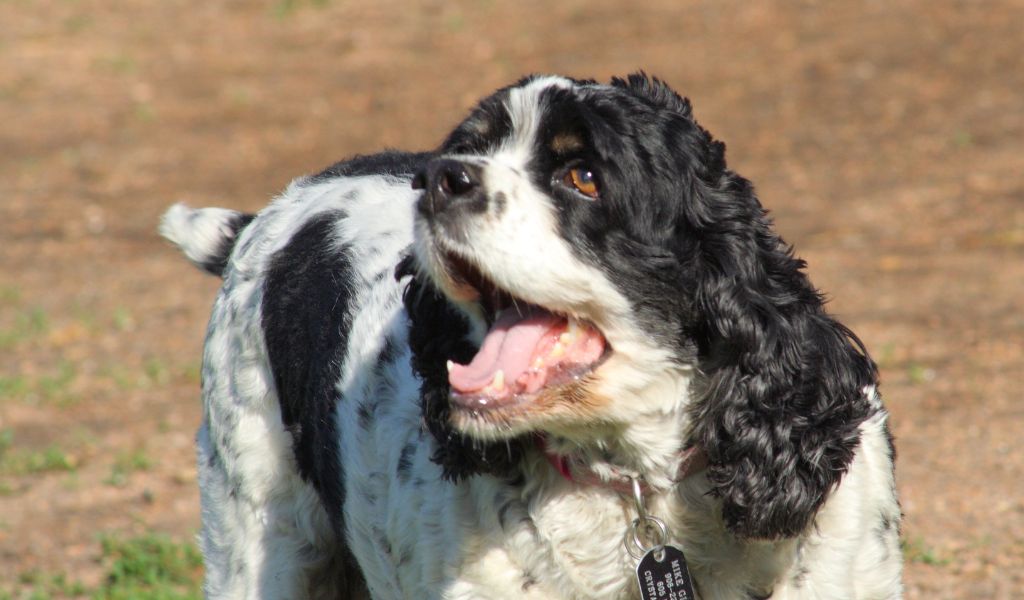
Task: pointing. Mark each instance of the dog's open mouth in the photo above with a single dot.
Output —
(526, 350)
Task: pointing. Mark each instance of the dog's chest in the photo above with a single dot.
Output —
(417, 535)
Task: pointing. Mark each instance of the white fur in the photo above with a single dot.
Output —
(265, 534)
(198, 232)
(271, 539)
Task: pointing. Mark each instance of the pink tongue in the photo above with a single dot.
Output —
(508, 346)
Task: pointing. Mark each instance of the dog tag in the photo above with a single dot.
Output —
(665, 579)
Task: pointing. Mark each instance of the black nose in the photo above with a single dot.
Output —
(446, 182)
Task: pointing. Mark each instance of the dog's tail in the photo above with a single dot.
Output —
(205, 235)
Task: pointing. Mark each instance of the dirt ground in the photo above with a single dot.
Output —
(887, 138)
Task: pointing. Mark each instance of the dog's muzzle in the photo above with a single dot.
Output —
(449, 186)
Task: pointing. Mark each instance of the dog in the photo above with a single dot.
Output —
(565, 341)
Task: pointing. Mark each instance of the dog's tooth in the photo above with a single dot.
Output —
(538, 363)
(557, 350)
(571, 332)
(497, 384)
(450, 365)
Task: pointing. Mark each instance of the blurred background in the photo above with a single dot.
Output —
(886, 137)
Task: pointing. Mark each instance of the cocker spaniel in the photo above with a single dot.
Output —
(564, 355)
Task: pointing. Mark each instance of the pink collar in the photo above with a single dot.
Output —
(694, 460)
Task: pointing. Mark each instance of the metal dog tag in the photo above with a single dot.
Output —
(665, 579)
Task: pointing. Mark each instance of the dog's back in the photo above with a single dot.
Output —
(309, 300)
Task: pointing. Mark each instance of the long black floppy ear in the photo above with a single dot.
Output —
(437, 333)
(782, 388)
(784, 397)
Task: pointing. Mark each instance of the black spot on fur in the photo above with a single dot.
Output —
(405, 554)
(437, 334)
(503, 514)
(883, 533)
(305, 324)
(885, 523)
(392, 162)
(218, 261)
(405, 462)
(213, 460)
(388, 353)
(500, 203)
(364, 414)
(305, 316)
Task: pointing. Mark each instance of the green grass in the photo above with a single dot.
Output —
(126, 464)
(916, 550)
(123, 319)
(9, 295)
(37, 585)
(145, 111)
(13, 386)
(77, 23)
(919, 374)
(16, 461)
(285, 8)
(125, 379)
(27, 325)
(28, 462)
(54, 387)
(6, 441)
(963, 139)
(118, 63)
(155, 372)
(148, 567)
(193, 372)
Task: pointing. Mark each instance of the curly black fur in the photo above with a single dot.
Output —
(688, 242)
(783, 388)
(437, 333)
(784, 399)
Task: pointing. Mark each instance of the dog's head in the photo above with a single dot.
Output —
(609, 268)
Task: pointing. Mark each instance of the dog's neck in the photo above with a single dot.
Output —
(652, 446)
(574, 469)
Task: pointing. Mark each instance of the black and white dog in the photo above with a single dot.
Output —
(461, 374)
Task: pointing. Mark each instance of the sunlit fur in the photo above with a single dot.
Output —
(333, 464)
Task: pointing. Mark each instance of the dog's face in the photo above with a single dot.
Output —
(616, 273)
(554, 219)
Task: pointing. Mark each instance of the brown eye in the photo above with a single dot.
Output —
(583, 180)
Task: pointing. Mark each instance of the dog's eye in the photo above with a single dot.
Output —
(582, 180)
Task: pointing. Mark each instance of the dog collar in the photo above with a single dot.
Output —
(692, 461)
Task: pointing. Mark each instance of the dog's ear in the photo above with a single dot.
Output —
(655, 91)
(437, 333)
(785, 383)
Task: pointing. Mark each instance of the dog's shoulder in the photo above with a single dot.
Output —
(308, 278)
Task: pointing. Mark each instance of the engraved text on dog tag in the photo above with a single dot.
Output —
(665, 579)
